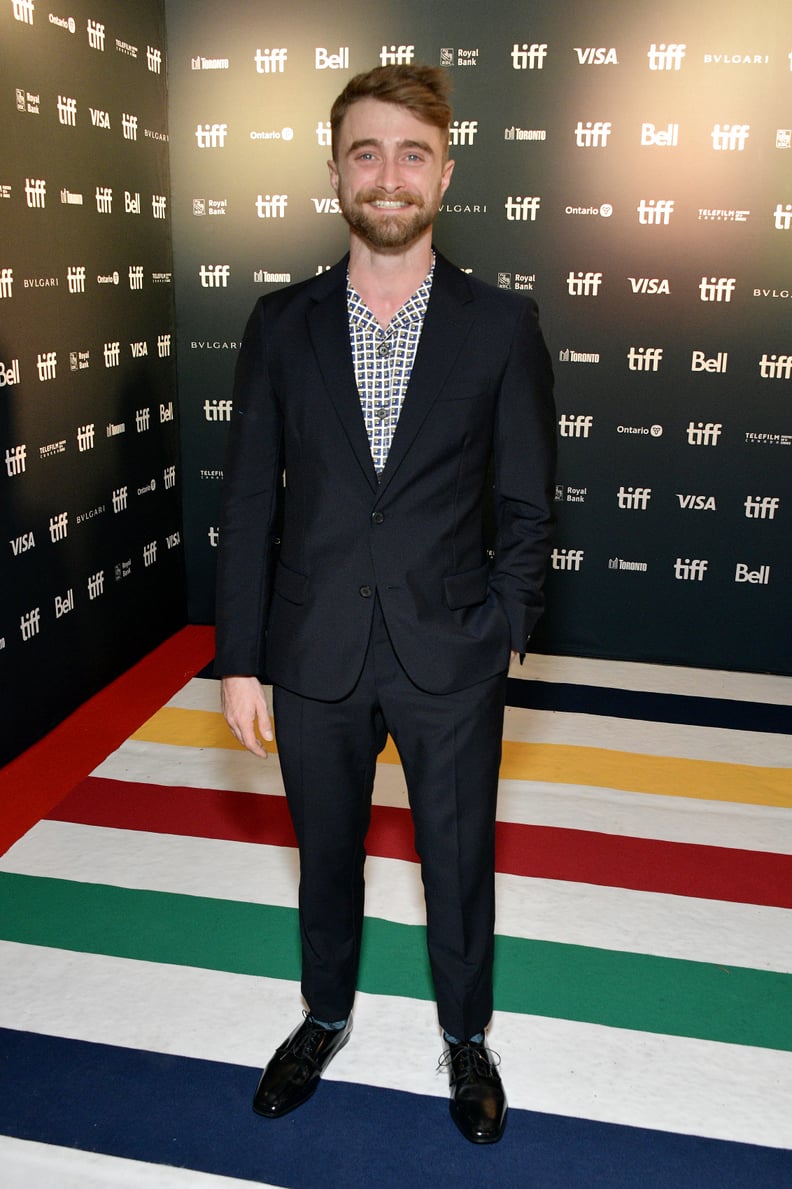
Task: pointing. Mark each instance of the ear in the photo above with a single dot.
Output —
(333, 171)
(445, 177)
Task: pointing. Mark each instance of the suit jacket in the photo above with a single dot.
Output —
(299, 610)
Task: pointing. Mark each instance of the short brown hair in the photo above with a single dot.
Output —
(423, 90)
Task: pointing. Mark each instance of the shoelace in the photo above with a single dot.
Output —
(470, 1060)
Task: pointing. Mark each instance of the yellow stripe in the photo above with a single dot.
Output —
(549, 762)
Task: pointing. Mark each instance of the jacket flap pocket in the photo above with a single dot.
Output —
(467, 589)
(289, 584)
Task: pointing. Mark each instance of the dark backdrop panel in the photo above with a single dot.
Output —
(90, 518)
(631, 168)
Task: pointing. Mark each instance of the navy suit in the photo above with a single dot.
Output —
(365, 566)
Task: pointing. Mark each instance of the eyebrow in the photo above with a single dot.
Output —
(367, 141)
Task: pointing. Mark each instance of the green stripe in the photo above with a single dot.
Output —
(735, 1005)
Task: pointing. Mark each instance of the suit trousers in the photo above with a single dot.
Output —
(450, 748)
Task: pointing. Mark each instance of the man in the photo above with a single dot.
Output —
(382, 389)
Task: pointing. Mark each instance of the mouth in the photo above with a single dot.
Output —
(382, 204)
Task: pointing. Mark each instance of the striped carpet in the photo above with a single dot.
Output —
(643, 968)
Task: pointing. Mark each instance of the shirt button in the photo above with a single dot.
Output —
(377, 517)
(384, 350)
(366, 592)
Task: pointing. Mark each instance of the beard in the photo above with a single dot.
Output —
(395, 230)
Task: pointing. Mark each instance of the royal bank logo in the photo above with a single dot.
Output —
(6, 282)
(529, 57)
(36, 193)
(397, 55)
(650, 286)
(522, 209)
(211, 136)
(273, 206)
(47, 365)
(462, 132)
(666, 57)
(644, 359)
(67, 111)
(690, 569)
(655, 212)
(96, 35)
(524, 281)
(217, 410)
(701, 433)
(717, 363)
(459, 57)
(270, 61)
(730, 138)
(214, 276)
(575, 425)
(23, 11)
(27, 102)
(775, 367)
(761, 507)
(633, 499)
(209, 206)
(717, 288)
(569, 560)
(580, 284)
(596, 56)
(783, 138)
(592, 134)
(782, 217)
(661, 138)
(79, 361)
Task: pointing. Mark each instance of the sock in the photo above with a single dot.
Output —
(478, 1039)
(335, 1026)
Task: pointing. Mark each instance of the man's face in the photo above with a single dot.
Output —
(391, 173)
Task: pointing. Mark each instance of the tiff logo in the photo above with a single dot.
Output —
(30, 624)
(59, 526)
(717, 288)
(462, 132)
(396, 55)
(75, 275)
(592, 135)
(169, 477)
(6, 282)
(211, 136)
(142, 420)
(690, 570)
(217, 410)
(23, 11)
(775, 367)
(634, 499)
(644, 359)
(120, 499)
(96, 35)
(163, 345)
(666, 57)
(214, 276)
(566, 559)
(85, 437)
(129, 125)
(153, 59)
(528, 57)
(104, 200)
(572, 426)
(96, 584)
(112, 354)
(159, 204)
(782, 217)
(271, 206)
(584, 284)
(36, 192)
(655, 211)
(150, 553)
(270, 61)
(701, 434)
(135, 276)
(520, 209)
(761, 507)
(15, 457)
(47, 364)
(213, 533)
(323, 134)
(67, 111)
(730, 137)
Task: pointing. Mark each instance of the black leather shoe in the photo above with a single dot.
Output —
(296, 1067)
(478, 1103)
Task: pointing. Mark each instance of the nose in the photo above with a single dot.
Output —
(389, 174)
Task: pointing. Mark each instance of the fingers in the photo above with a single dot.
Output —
(245, 711)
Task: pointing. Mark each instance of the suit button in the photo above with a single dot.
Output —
(366, 592)
(377, 517)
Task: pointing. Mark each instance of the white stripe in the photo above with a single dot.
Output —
(721, 932)
(606, 811)
(730, 1092)
(659, 679)
(28, 1165)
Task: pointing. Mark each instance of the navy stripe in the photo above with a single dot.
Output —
(651, 707)
(196, 1114)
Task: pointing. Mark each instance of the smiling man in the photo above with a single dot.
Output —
(372, 405)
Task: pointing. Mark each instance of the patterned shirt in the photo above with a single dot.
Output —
(383, 361)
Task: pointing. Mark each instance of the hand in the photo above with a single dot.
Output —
(244, 709)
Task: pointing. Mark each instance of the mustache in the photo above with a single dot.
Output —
(379, 196)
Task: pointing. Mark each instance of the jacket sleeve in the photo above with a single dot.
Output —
(525, 458)
(252, 480)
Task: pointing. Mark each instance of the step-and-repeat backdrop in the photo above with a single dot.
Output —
(90, 517)
(630, 167)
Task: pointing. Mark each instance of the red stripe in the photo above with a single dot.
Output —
(546, 852)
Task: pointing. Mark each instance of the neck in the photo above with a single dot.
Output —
(386, 278)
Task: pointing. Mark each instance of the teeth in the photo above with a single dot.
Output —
(390, 206)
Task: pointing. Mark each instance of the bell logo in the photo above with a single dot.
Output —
(760, 577)
(662, 138)
(700, 363)
(325, 61)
